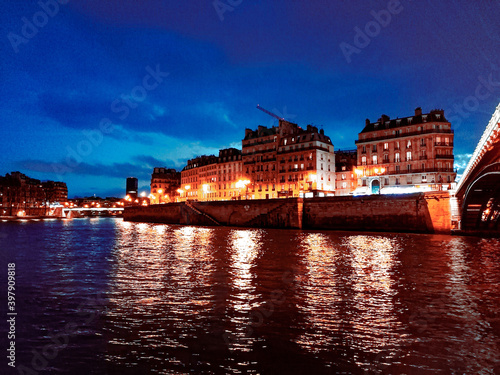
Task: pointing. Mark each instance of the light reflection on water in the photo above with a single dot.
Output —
(183, 299)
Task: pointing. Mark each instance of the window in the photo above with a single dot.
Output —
(374, 149)
(397, 181)
(408, 144)
(408, 168)
(408, 155)
(374, 158)
(396, 146)
(344, 185)
(386, 146)
(386, 158)
(363, 160)
(397, 168)
(386, 181)
(397, 157)
(424, 178)
(447, 141)
(343, 176)
(364, 149)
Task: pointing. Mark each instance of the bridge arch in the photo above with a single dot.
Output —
(481, 203)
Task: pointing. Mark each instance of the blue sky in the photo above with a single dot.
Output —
(65, 77)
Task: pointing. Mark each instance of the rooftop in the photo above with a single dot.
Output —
(384, 122)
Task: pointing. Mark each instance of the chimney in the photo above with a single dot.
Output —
(261, 129)
(247, 132)
(367, 122)
(322, 132)
(418, 111)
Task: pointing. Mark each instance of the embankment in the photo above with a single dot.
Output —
(421, 212)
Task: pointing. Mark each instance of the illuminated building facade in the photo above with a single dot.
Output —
(288, 161)
(229, 172)
(55, 191)
(199, 179)
(346, 179)
(22, 195)
(164, 185)
(282, 161)
(406, 154)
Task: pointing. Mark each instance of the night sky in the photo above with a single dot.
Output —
(103, 90)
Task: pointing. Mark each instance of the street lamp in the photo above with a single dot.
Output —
(243, 184)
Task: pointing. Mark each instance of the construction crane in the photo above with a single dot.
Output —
(269, 113)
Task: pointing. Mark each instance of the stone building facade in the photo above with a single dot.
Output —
(346, 180)
(288, 161)
(406, 154)
(164, 185)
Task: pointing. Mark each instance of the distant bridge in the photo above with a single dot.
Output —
(91, 210)
(478, 192)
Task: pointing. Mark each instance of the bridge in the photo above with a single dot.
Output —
(478, 191)
(91, 211)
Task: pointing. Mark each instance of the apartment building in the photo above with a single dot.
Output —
(406, 154)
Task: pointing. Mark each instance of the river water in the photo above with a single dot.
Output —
(104, 296)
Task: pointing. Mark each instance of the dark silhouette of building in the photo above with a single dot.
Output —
(23, 195)
(132, 187)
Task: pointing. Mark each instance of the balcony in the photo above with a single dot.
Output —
(443, 143)
(423, 157)
(445, 157)
(426, 170)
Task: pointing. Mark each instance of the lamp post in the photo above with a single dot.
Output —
(243, 184)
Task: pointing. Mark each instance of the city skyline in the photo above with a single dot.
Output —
(106, 92)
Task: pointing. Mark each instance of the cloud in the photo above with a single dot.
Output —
(461, 161)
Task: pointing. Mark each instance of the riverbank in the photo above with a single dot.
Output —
(420, 212)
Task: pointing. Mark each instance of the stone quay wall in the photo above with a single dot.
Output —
(420, 212)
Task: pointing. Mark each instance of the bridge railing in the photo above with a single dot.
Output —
(488, 133)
